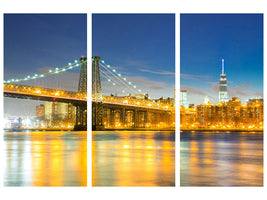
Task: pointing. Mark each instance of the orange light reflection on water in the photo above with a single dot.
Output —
(133, 159)
(46, 159)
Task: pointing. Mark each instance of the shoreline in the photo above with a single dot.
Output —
(38, 129)
(139, 129)
(224, 130)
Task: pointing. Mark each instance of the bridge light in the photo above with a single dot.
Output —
(114, 83)
(69, 63)
(114, 70)
(77, 65)
(102, 61)
(41, 75)
(36, 75)
(124, 79)
(12, 80)
(50, 70)
(108, 66)
(33, 77)
(139, 90)
(108, 80)
(134, 86)
(8, 81)
(75, 61)
(63, 69)
(70, 67)
(130, 83)
(17, 80)
(119, 74)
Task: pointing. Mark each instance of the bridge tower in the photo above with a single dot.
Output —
(81, 109)
(82, 88)
(97, 106)
(96, 82)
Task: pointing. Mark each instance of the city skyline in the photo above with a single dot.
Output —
(206, 39)
(140, 46)
(35, 43)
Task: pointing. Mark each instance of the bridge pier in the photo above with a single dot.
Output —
(97, 116)
(81, 118)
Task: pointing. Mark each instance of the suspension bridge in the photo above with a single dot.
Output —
(130, 110)
(26, 88)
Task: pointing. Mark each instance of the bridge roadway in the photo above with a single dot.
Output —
(116, 104)
(48, 94)
(43, 94)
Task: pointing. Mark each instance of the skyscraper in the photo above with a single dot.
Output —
(223, 86)
(183, 99)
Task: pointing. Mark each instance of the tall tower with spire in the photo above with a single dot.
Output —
(223, 97)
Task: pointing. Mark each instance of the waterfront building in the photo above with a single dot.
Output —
(59, 114)
(230, 114)
(40, 111)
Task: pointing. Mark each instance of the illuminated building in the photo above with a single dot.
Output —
(183, 98)
(206, 100)
(40, 110)
(187, 116)
(255, 111)
(59, 114)
(191, 105)
(140, 96)
(230, 114)
(223, 86)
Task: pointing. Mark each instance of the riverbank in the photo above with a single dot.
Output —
(223, 129)
(36, 129)
(141, 129)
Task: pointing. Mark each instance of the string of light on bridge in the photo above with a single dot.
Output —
(128, 86)
(57, 70)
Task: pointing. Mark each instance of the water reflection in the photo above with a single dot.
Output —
(45, 159)
(221, 159)
(133, 158)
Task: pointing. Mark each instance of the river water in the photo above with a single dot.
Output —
(221, 158)
(42, 158)
(133, 158)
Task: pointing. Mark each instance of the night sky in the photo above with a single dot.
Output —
(206, 39)
(141, 47)
(34, 43)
